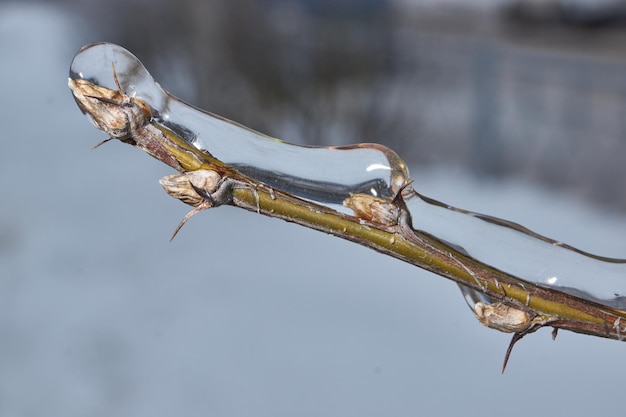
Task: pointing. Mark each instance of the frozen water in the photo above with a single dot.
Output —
(241, 315)
(325, 175)
(512, 249)
(330, 175)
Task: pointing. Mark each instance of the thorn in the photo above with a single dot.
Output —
(103, 142)
(117, 82)
(204, 194)
(203, 206)
(106, 100)
(516, 338)
(555, 330)
(404, 186)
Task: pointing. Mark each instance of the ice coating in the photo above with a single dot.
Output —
(519, 252)
(328, 175)
(323, 174)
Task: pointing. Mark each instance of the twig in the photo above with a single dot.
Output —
(384, 225)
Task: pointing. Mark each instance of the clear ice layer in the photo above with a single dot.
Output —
(328, 175)
(519, 252)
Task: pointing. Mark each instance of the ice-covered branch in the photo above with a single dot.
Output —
(514, 279)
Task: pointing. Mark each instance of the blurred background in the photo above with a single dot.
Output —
(512, 108)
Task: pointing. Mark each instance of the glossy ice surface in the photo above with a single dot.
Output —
(328, 175)
(322, 174)
(519, 252)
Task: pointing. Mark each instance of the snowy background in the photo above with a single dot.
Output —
(241, 315)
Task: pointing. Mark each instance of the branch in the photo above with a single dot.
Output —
(383, 223)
